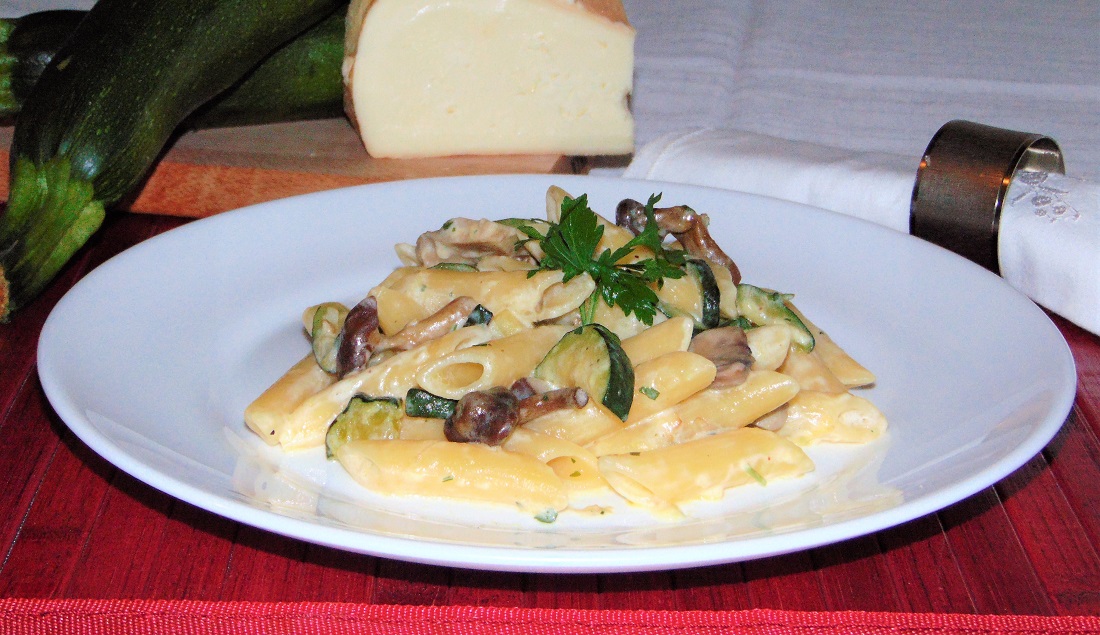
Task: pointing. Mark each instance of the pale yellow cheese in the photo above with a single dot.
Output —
(438, 77)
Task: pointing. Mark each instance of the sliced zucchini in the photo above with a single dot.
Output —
(364, 418)
(696, 295)
(480, 315)
(328, 320)
(763, 307)
(454, 266)
(591, 357)
(421, 403)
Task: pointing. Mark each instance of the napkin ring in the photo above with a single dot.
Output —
(962, 181)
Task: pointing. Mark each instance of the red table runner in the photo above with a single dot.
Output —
(121, 617)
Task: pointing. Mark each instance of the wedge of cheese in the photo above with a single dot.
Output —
(444, 77)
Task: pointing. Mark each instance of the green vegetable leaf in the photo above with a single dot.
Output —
(570, 246)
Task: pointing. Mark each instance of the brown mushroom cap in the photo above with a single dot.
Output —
(358, 337)
(490, 416)
(483, 416)
(728, 348)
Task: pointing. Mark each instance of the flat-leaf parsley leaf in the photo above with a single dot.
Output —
(570, 246)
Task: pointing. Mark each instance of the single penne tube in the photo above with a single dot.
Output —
(850, 372)
(421, 429)
(574, 465)
(817, 417)
(579, 426)
(810, 371)
(498, 362)
(705, 468)
(665, 381)
(542, 296)
(455, 471)
(674, 334)
(267, 415)
(716, 409)
(769, 345)
(306, 425)
(396, 309)
(658, 430)
(619, 323)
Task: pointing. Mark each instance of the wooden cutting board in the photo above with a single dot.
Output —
(211, 171)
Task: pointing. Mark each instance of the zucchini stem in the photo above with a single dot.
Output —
(50, 215)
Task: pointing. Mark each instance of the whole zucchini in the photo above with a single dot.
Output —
(27, 44)
(301, 80)
(106, 106)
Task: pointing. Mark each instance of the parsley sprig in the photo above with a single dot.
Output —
(570, 246)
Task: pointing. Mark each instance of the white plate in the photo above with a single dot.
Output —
(152, 357)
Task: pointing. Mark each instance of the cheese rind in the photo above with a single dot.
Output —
(437, 77)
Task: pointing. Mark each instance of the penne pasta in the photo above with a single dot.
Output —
(572, 383)
(810, 372)
(769, 345)
(665, 381)
(579, 426)
(817, 417)
(669, 336)
(718, 409)
(542, 296)
(703, 469)
(306, 425)
(658, 430)
(574, 465)
(846, 369)
(464, 471)
(269, 414)
(495, 363)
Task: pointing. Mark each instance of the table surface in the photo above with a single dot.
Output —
(74, 526)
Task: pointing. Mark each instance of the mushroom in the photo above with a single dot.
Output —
(685, 224)
(538, 405)
(489, 416)
(439, 323)
(483, 416)
(358, 337)
(464, 240)
(728, 348)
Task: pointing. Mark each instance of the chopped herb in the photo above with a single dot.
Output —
(755, 475)
(652, 393)
(570, 246)
(575, 474)
(448, 224)
(449, 477)
(547, 516)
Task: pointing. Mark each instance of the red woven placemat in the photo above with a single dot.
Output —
(123, 617)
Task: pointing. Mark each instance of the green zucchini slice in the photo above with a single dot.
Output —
(454, 266)
(763, 307)
(328, 320)
(421, 403)
(480, 315)
(591, 357)
(364, 418)
(700, 303)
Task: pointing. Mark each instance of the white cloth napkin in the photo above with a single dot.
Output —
(1049, 240)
